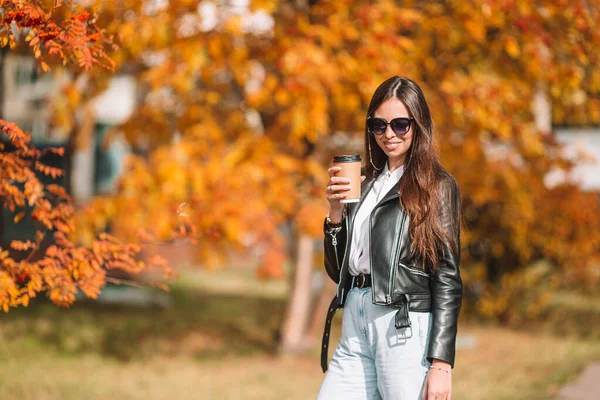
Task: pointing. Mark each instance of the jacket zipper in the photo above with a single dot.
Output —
(340, 289)
(415, 271)
(388, 297)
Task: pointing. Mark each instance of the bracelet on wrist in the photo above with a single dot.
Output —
(441, 369)
(331, 224)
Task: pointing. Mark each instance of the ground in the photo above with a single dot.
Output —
(216, 344)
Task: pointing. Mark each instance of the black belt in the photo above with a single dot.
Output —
(362, 281)
(333, 307)
(359, 281)
(401, 319)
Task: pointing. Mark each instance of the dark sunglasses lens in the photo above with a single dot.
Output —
(400, 125)
(376, 125)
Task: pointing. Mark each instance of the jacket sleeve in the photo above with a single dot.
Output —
(446, 284)
(334, 246)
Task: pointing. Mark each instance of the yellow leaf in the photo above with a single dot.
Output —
(282, 97)
(213, 98)
(406, 43)
(267, 5)
(234, 25)
(476, 29)
(512, 48)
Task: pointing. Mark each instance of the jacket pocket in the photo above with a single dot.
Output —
(409, 280)
(419, 296)
(414, 271)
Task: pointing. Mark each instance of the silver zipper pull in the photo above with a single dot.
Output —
(334, 240)
(388, 299)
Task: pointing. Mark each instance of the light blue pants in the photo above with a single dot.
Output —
(370, 362)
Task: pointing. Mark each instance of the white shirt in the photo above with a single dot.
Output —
(359, 250)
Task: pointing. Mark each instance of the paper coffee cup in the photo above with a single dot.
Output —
(350, 165)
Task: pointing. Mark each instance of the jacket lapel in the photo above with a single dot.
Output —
(392, 193)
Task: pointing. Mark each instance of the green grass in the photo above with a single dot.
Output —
(219, 341)
(216, 324)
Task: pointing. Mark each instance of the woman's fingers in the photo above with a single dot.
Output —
(338, 196)
(337, 188)
(333, 192)
(333, 170)
(339, 180)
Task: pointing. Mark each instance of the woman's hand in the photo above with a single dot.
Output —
(438, 384)
(337, 190)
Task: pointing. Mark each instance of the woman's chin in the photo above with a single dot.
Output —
(395, 154)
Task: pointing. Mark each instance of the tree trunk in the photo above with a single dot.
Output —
(3, 54)
(81, 157)
(80, 175)
(293, 338)
(320, 310)
(542, 109)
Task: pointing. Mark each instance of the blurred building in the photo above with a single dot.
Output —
(25, 92)
(581, 144)
(94, 170)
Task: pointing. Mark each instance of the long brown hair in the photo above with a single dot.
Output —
(420, 189)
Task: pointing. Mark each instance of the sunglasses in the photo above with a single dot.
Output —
(400, 126)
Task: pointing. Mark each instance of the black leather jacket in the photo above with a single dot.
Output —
(396, 280)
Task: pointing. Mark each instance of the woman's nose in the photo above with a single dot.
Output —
(389, 132)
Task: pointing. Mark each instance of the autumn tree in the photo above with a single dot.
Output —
(55, 35)
(241, 110)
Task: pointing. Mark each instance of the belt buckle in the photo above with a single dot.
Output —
(362, 280)
(402, 337)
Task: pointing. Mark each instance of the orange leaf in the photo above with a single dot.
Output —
(18, 217)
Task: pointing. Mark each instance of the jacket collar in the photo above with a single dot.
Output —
(392, 193)
(365, 187)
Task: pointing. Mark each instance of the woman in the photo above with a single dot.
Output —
(395, 256)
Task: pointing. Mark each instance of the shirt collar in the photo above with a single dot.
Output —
(395, 175)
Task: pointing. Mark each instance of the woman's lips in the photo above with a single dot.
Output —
(392, 146)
